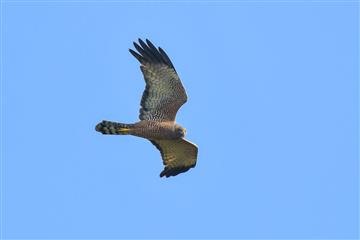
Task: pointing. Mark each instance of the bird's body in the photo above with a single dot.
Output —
(163, 96)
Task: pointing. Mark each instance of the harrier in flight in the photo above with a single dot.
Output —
(163, 96)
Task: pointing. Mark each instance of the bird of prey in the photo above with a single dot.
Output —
(163, 96)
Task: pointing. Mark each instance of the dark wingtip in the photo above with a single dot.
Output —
(148, 53)
(171, 172)
(166, 57)
(148, 42)
(164, 173)
(137, 56)
(142, 43)
(137, 46)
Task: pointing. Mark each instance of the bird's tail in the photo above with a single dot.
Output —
(107, 127)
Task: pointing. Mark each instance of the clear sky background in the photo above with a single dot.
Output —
(272, 106)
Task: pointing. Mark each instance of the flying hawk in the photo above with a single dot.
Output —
(163, 96)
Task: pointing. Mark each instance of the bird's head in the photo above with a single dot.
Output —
(180, 131)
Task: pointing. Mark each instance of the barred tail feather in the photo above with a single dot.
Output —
(114, 128)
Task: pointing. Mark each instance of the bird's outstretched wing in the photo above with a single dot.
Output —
(178, 155)
(164, 94)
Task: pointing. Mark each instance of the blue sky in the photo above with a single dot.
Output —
(272, 106)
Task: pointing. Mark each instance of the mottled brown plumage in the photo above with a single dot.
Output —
(163, 96)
